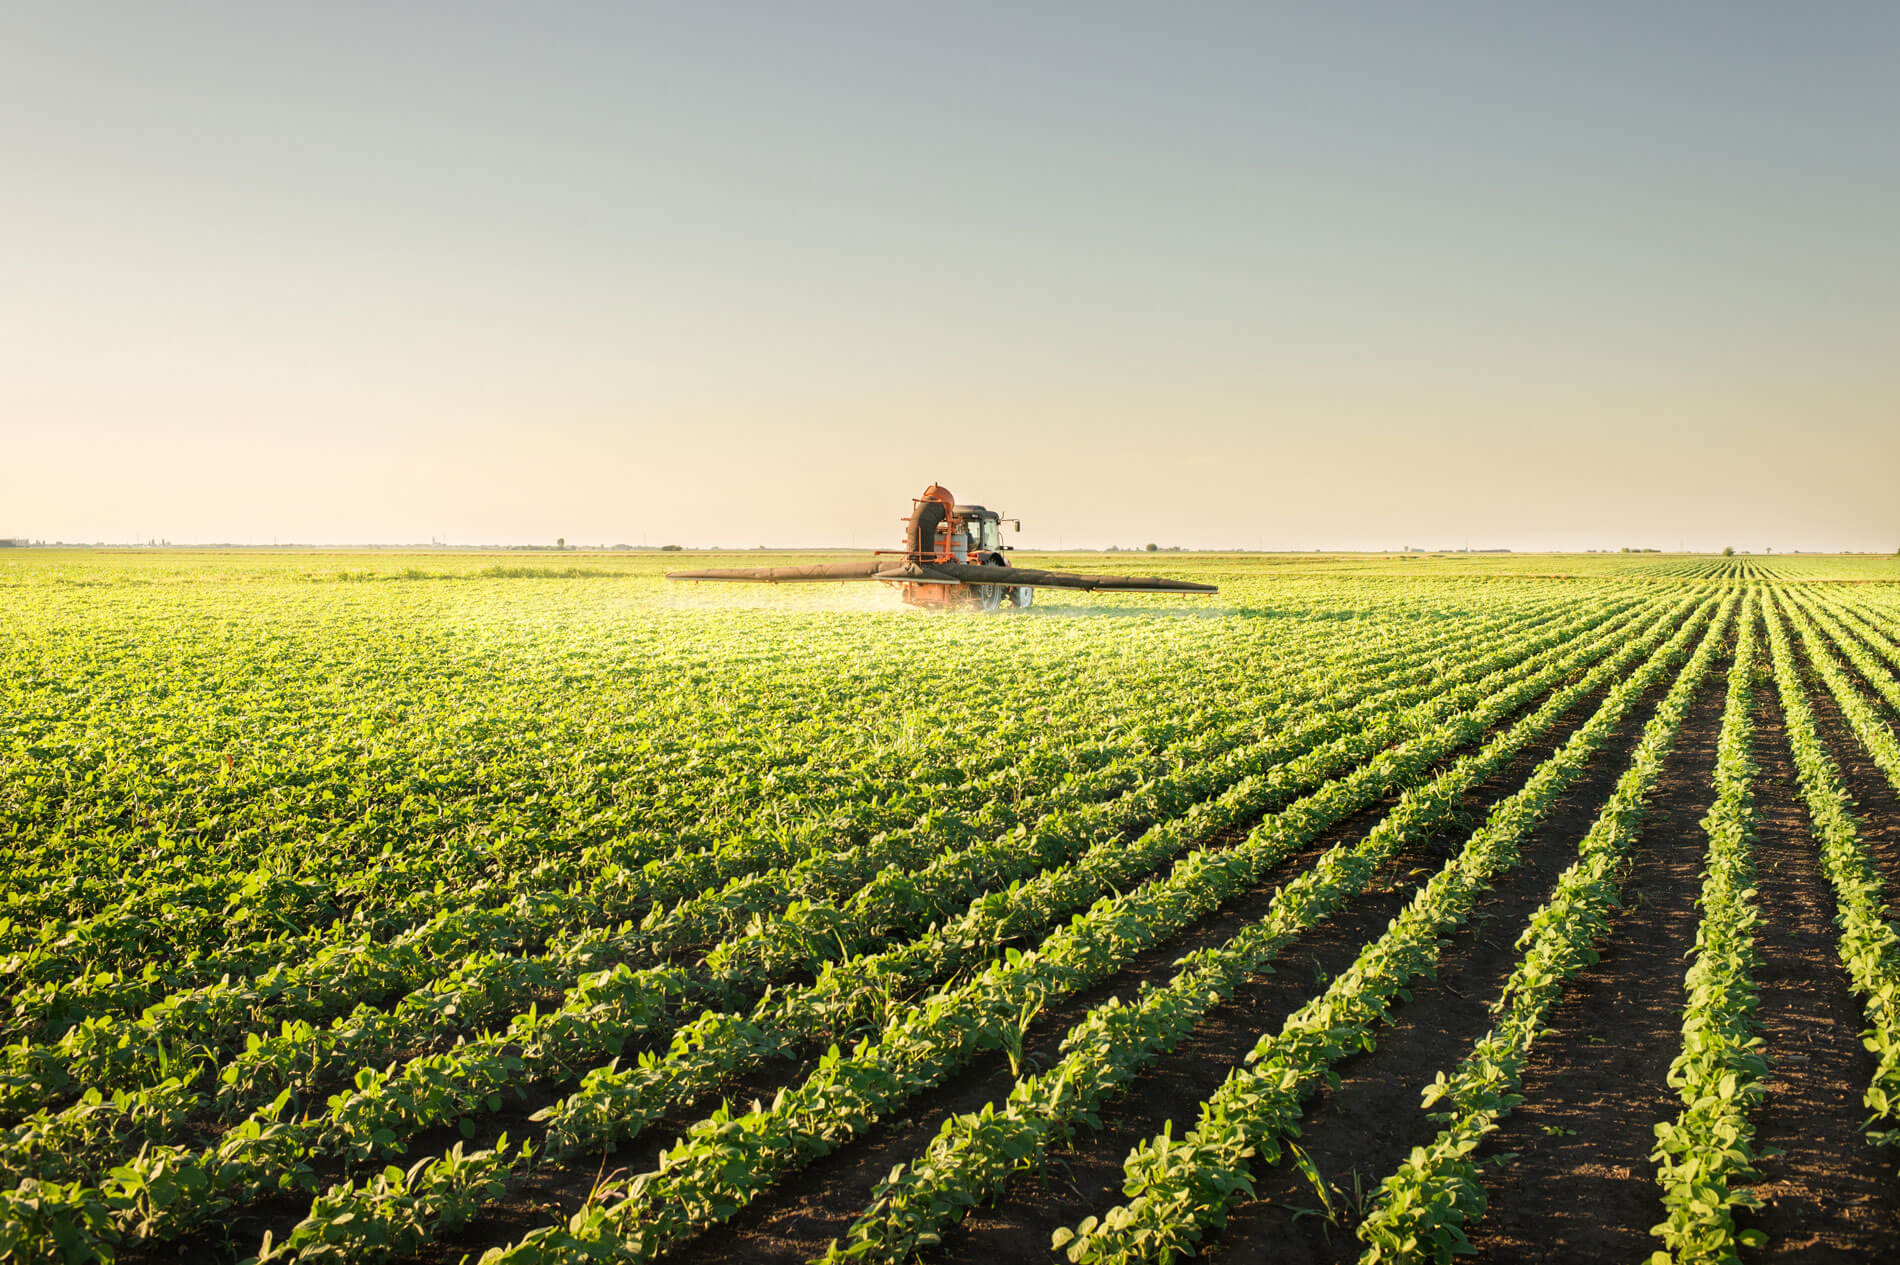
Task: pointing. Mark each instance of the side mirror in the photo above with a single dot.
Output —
(1019, 524)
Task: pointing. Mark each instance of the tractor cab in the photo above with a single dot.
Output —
(974, 530)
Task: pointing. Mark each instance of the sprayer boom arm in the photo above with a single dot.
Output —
(1032, 578)
(862, 569)
(893, 571)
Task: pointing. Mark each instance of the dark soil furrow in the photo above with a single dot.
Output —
(1580, 1184)
(1827, 1194)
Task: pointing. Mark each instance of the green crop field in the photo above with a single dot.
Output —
(528, 907)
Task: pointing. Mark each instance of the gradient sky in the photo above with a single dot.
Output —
(1531, 275)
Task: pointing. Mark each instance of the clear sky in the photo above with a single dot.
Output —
(1346, 275)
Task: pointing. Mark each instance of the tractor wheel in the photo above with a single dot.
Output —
(1021, 595)
(990, 596)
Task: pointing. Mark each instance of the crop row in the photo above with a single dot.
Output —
(1180, 1188)
(1880, 641)
(301, 1057)
(145, 1193)
(1705, 1155)
(343, 789)
(235, 922)
(355, 961)
(727, 1159)
(1422, 1210)
(1874, 734)
(394, 741)
(789, 757)
(103, 1046)
(419, 684)
(615, 1102)
(1869, 947)
(975, 1153)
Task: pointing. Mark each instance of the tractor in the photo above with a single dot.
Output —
(953, 558)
